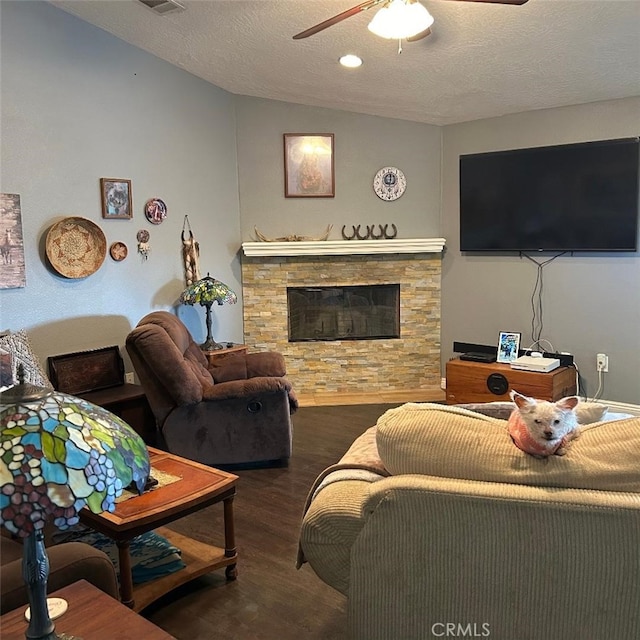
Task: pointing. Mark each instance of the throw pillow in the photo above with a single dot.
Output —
(451, 442)
(18, 346)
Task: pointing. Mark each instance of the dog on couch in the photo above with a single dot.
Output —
(542, 428)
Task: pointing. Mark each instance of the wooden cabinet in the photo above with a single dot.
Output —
(216, 355)
(489, 382)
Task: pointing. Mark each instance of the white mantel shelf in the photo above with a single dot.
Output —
(343, 247)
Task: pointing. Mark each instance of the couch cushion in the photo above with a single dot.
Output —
(453, 442)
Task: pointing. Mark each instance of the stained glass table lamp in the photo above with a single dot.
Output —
(205, 292)
(59, 453)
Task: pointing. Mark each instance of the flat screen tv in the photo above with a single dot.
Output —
(573, 197)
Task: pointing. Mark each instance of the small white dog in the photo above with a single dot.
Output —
(541, 428)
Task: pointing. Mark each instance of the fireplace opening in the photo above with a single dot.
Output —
(361, 312)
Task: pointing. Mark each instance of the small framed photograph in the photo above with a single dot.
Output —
(308, 165)
(508, 345)
(116, 198)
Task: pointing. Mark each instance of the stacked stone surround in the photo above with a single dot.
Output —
(409, 362)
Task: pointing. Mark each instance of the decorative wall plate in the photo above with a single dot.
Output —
(389, 183)
(118, 251)
(76, 247)
(155, 210)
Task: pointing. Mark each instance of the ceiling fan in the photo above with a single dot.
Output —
(416, 20)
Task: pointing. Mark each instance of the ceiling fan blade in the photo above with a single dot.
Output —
(419, 36)
(516, 2)
(339, 18)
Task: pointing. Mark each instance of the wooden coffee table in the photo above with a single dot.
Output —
(198, 487)
(91, 614)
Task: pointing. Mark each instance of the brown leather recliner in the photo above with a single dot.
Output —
(235, 413)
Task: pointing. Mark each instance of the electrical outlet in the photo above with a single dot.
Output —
(443, 384)
(602, 362)
(128, 377)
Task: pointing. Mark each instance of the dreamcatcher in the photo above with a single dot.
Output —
(190, 254)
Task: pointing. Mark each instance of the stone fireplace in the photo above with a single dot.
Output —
(410, 360)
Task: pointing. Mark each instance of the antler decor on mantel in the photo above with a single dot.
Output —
(293, 238)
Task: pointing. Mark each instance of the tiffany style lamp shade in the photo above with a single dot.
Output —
(58, 454)
(205, 292)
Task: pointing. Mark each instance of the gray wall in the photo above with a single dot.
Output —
(363, 145)
(591, 303)
(78, 105)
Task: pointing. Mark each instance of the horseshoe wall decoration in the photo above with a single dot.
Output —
(386, 235)
(365, 237)
(345, 236)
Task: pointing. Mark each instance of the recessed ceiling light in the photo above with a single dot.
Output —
(350, 61)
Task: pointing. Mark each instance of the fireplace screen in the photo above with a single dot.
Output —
(365, 312)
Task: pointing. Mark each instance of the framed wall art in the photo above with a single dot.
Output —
(309, 165)
(116, 198)
(508, 345)
(12, 271)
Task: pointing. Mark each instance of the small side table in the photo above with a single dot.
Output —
(91, 614)
(216, 355)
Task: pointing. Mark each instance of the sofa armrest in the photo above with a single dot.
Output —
(245, 388)
(68, 563)
(329, 528)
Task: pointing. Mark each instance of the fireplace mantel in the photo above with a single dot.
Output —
(343, 247)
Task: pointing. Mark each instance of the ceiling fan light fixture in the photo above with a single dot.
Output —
(400, 19)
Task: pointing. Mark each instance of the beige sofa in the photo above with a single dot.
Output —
(434, 525)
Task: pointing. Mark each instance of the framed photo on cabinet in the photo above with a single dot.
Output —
(508, 345)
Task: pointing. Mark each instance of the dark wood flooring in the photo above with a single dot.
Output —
(270, 600)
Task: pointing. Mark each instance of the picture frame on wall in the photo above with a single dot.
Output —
(116, 198)
(12, 261)
(508, 346)
(309, 165)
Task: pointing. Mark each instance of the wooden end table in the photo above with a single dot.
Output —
(91, 614)
(215, 355)
(198, 487)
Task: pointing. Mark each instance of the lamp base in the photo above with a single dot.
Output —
(211, 345)
(56, 607)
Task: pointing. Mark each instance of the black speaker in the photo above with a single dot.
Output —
(497, 384)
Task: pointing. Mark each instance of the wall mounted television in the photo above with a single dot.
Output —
(573, 197)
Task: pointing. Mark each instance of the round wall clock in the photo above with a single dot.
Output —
(389, 183)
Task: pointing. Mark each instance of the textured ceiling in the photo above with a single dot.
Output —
(481, 60)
